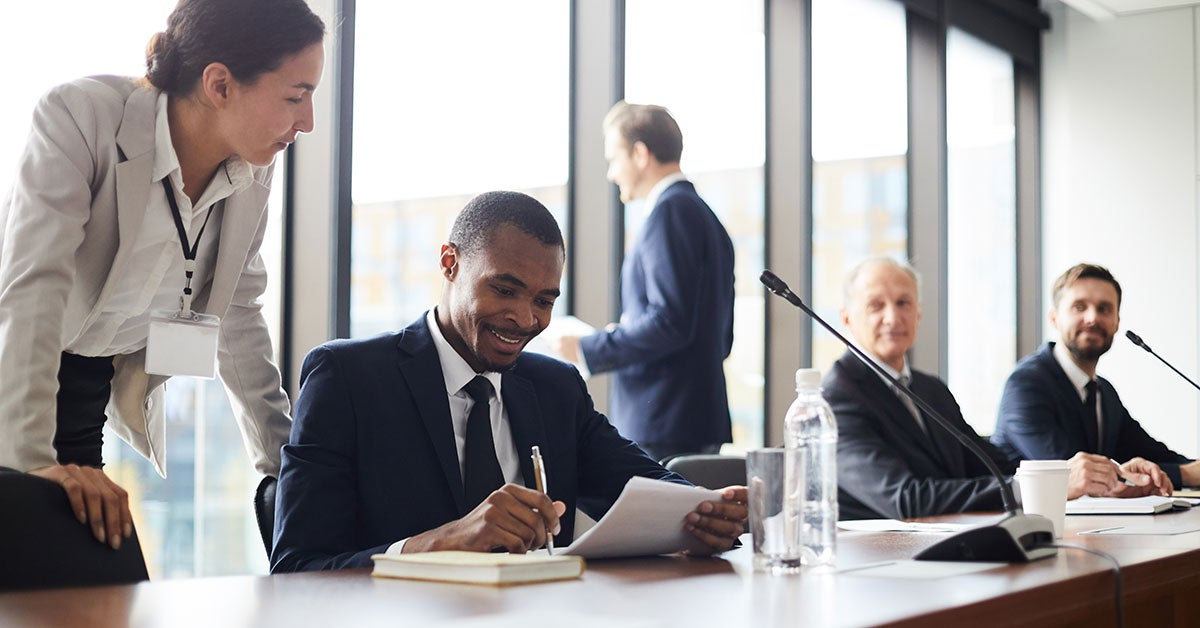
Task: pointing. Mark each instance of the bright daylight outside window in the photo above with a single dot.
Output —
(445, 108)
(199, 521)
(981, 225)
(860, 139)
(676, 54)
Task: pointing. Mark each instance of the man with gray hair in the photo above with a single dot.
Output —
(893, 460)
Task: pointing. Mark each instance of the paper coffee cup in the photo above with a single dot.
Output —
(1044, 490)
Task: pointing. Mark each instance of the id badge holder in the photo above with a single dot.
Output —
(182, 344)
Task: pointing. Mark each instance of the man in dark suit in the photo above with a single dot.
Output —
(676, 327)
(894, 461)
(1054, 404)
(420, 440)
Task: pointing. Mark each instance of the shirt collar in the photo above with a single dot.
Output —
(236, 172)
(1078, 378)
(456, 373)
(904, 371)
(661, 186)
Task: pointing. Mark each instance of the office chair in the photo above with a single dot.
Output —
(709, 470)
(43, 545)
(264, 511)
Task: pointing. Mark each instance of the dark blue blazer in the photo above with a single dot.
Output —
(1041, 418)
(372, 456)
(888, 467)
(676, 327)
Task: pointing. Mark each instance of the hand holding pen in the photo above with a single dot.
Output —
(539, 475)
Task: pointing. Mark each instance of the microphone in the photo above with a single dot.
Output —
(1137, 340)
(1017, 537)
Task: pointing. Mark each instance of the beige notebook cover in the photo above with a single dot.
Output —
(478, 567)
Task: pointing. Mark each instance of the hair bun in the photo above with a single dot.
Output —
(161, 62)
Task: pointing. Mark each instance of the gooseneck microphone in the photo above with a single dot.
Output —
(1017, 537)
(1137, 340)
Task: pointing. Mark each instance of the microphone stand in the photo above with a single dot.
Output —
(1017, 537)
(1137, 340)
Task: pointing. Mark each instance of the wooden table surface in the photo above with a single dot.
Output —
(1161, 580)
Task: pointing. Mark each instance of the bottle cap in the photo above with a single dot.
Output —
(808, 379)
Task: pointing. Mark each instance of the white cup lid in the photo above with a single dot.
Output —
(1043, 465)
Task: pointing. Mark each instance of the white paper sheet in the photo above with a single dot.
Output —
(918, 569)
(647, 519)
(1152, 529)
(892, 525)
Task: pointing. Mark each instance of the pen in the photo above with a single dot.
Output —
(1120, 477)
(539, 476)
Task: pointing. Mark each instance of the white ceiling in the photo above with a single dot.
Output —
(1108, 9)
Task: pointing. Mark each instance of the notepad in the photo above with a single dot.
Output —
(1148, 505)
(478, 567)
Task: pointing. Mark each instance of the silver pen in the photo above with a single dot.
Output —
(539, 476)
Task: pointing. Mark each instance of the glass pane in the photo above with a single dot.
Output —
(704, 60)
(981, 225)
(490, 113)
(860, 142)
(199, 521)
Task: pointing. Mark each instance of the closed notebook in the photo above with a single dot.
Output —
(1148, 505)
(478, 567)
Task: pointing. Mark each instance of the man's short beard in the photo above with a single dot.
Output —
(1089, 354)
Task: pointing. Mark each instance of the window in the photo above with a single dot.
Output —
(451, 99)
(981, 225)
(199, 521)
(704, 60)
(859, 142)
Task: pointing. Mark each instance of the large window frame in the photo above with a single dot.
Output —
(596, 70)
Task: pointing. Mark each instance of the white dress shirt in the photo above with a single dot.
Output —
(157, 277)
(456, 373)
(1080, 380)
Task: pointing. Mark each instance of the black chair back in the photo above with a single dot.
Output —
(264, 511)
(43, 545)
(709, 470)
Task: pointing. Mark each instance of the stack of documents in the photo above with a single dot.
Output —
(1148, 505)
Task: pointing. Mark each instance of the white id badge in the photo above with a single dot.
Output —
(182, 345)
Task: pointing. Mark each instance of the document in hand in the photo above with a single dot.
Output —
(1148, 505)
(647, 519)
(478, 567)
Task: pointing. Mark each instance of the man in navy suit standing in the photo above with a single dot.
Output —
(1054, 404)
(676, 325)
(419, 440)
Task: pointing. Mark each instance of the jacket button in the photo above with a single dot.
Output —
(149, 404)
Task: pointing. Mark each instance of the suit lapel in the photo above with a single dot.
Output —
(240, 217)
(422, 372)
(1074, 420)
(1108, 418)
(947, 445)
(525, 421)
(894, 409)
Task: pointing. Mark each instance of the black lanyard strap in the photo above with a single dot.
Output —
(190, 249)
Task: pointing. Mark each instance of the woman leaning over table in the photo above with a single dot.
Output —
(121, 182)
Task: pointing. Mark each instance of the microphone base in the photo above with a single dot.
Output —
(1018, 538)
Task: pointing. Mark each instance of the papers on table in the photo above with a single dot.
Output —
(1152, 529)
(918, 569)
(892, 525)
(647, 519)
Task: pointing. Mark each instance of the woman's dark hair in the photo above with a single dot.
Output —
(251, 37)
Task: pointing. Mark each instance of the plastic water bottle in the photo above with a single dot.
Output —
(811, 433)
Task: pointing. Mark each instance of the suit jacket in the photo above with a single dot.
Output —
(1041, 418)
(69, 225)
(372, 457)
(676, 327)
(888, 467)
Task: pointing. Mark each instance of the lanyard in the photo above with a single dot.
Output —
(189, 249)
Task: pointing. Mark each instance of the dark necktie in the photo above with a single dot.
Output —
(1091, 423)
(482, 473)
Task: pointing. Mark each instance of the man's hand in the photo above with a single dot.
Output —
(567, 347)
(718, 524)
(95, 499)
(512, 517)
(1190, 473)
(1091, 474)
(1147, 478)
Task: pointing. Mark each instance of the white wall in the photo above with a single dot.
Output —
(1120, 188)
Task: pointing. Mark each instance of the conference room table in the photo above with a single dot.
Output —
(1161, 587)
